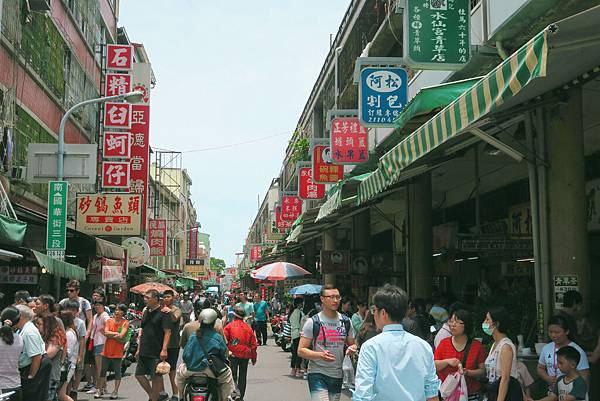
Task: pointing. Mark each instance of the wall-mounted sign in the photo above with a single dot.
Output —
(119, 57)
(138, 251)
(563, 284)
(112, 271)
(157, 237)
(307, 188)
(117, 84)
(27, 275)
(115, 175)
(116, 145)
(109, 214)
(437, 34)
(324, 171)
(140, 153)
(117, 115)
(349, 141)
(255, 253)
(382, 94)
(335, 262)
(56, 227)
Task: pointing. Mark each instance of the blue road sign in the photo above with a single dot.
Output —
(383, 93)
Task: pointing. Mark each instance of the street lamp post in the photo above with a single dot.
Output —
(175, 237)
(131, 97)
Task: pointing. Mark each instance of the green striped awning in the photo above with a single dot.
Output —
(294, 235)
(502, 83)
(330, 206)
(60, 268)
(372, 186)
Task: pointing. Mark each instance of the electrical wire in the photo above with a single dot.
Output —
(231, 145)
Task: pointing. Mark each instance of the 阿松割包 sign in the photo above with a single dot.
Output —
(382, 92)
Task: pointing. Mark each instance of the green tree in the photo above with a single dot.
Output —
(217, 265)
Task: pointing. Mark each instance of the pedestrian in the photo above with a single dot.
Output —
(501, 362)
(394, 365)
(261, 317)
(112, 355)
(45, 306)
(248, 308)
(571, 385)
(97, 342)
(72, 307)
(55, 342)
(187, 307)
(461, 353)
(295, 319)
(11, 346)
(202, 344)
(275, 304)
(346, 307)
(34, 366)
(367, 331)
(559, 331)
(241, 343)
(323, 340)
(173, 347)
(439, 310)
(70, 359)
(22, 297)
(444, 331)
(85, 307)
(359, 316)
(153, 339)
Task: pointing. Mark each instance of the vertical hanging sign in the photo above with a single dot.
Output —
(323, 169)
(157, 237)
(437, 34)
(307, 188)
(382, 94)
(291, 207)
(56, 229)
(349, 141)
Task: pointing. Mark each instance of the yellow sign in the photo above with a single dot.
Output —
(109, 214)
(195, 270)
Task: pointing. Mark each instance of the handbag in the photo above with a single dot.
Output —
(215, 363)
(514, 392)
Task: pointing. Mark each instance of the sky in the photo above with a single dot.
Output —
(229, 72)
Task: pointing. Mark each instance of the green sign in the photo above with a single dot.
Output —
(56, 234)
(437, 34)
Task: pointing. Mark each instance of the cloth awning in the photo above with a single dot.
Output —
(340, 194)
(12, 232)
(295, 234)
(185, 282)
(109, 249)
(60, 268)
(159, 273)
(511, 83)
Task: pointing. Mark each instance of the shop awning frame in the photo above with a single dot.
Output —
(60, 268)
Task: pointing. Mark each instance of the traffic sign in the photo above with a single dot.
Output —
(56, 229)
(383, 93)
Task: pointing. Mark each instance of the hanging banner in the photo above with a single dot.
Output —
(112, 271)
(116, 145)
(117, 84)
(323, 169)
(382, 94)
(109, 214)
(438, 35)
(291, 207)
(307, 188)
(157, 237)
(119, 57)
(349, 141)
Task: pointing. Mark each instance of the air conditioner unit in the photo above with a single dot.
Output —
(18, 173)
(39, 5)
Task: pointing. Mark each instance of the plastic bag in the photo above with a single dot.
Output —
(454, 388)
(348, 371)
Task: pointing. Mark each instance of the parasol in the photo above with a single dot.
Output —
(144, 287)
(279, 271)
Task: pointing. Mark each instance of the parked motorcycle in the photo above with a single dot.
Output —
(129, 351)
(277, 323)
(284, 337)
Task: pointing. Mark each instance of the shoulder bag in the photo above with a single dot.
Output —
(215, 363)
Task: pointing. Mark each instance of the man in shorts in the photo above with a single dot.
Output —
(72, 307)
(173, 347)
(154, 336)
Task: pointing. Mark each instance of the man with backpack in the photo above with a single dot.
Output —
(325, 338)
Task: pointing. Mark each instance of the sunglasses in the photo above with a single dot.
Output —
(71, 289)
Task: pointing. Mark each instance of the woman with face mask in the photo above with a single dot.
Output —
(501, 363)
(559, 333)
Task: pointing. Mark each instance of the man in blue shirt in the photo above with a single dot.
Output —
(261, 316)
(394, 365)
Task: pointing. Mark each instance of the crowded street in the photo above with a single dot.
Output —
(316, 200)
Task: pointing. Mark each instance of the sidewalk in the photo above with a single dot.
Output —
(270, 380)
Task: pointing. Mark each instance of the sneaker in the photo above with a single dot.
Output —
(114, 396)
(87, 387)
(92, 390)
(99, 394)
(305, 376)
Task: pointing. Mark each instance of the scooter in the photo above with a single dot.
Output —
(201, 388)
(129, 351)
(283, 338)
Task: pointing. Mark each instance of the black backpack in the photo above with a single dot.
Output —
(318, 324)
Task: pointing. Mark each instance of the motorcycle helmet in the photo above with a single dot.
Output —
(208, 316)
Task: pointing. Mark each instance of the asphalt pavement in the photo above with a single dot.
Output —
(268, 380)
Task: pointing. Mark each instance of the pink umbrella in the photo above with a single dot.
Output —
(279, 271)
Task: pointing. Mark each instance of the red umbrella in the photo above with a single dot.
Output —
(279, 271)
(144, 287)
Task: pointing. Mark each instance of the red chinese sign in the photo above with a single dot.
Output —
(255, 253)
(140, 152)
(157, 237)
(349, 141)
(324, 171)
(279, 222)
(117, 84)
(291, 207)
(115, 175)
(119, 57)
(117, 115)
(307, 188)
(116, 145)
(109, 214)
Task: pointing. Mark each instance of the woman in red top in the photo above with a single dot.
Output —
(241, 342)
(450, 353)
